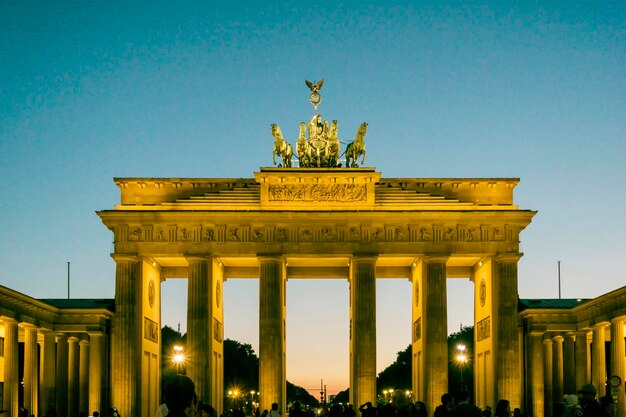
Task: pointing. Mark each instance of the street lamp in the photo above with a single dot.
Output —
(461, 358)
(178, 357)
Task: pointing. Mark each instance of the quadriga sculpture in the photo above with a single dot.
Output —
(356, 148)
(281, 147)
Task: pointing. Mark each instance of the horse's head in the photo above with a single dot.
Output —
(360, 134)
(276, 133)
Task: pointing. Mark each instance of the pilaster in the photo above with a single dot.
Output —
(31, 369)
(126, 337)
(569, 364)
(96, 374)
(363, 329)
(598, 364)
(547, 375)
(83, 376)
(581, 354)
(506, 330)
(535, 364)
(434, 330)
(47, 373)
(199, 322)
(62, 374)
(557, 368)
(618, 361)
(73, 380)
(272, 337)
(11, 367)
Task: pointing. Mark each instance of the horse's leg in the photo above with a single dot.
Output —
(363, 160)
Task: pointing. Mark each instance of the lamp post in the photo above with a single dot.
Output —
(178, 357)
(461, 359)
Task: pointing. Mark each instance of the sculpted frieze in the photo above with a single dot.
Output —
(343, 193)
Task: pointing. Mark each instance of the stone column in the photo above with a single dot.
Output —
(96, 356)
(535, 364)
(435, 331)
(363, 330)
(617, 360)
(73, 375)
(199, 324)
(508, 376)
(557, 368)
(126, 337)
(272, 337)
(47, 373)
(61, 374)
(598, 360)
(547, 375)
(11, 367)
(83, 377)
(569, 364)
(582, 376)
(31, 369)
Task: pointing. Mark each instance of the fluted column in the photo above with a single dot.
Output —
(547, 376)
(83, 377)
(506, 330)
(569, 364)
(557, 368)
(31, 369)
(73, 375)
(598, 364)
(363, 329)
(11, 365)
(582, 376)
(47, 373)
(96, 356)
(535, 364)
(126, 337)
(199, 322)
(618, 364)
(62, 374)
(272, 337)
(435, 330)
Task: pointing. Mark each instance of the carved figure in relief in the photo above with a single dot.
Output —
(184, 234)
(306, 235)
(399, 234)
(257, 235)
(448, 234)
(470, 234)
(209, 235)
(379, 234)
(233, 234)
(328, 233)
(281, 147)
(136, 234)
(356, 148)
(355, 233)
(281, 235)
(425, 234)
(497, 234)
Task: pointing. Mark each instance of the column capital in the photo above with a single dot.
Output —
(508, 257)
(29, 326)
(73, 339)
(270, 257)
(364, 257)
(547, 340)
(430, 259)
(125, 257)
(7, 319)
(61, 336)
(83, 342)
(558, 338)
(616, 321)
(601, 325)
(570, 336)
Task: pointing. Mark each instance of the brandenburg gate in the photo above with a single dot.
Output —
(317, 220)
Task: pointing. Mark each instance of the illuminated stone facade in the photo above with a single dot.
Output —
(309, 223)
(290, 223)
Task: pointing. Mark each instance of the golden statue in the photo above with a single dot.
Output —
(356, 148)
(281, 147)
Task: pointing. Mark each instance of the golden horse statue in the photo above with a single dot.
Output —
(304, 148)
(332, 146)
(281, 147)
(356, 148)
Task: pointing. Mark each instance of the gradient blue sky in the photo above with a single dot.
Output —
(91, 90)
